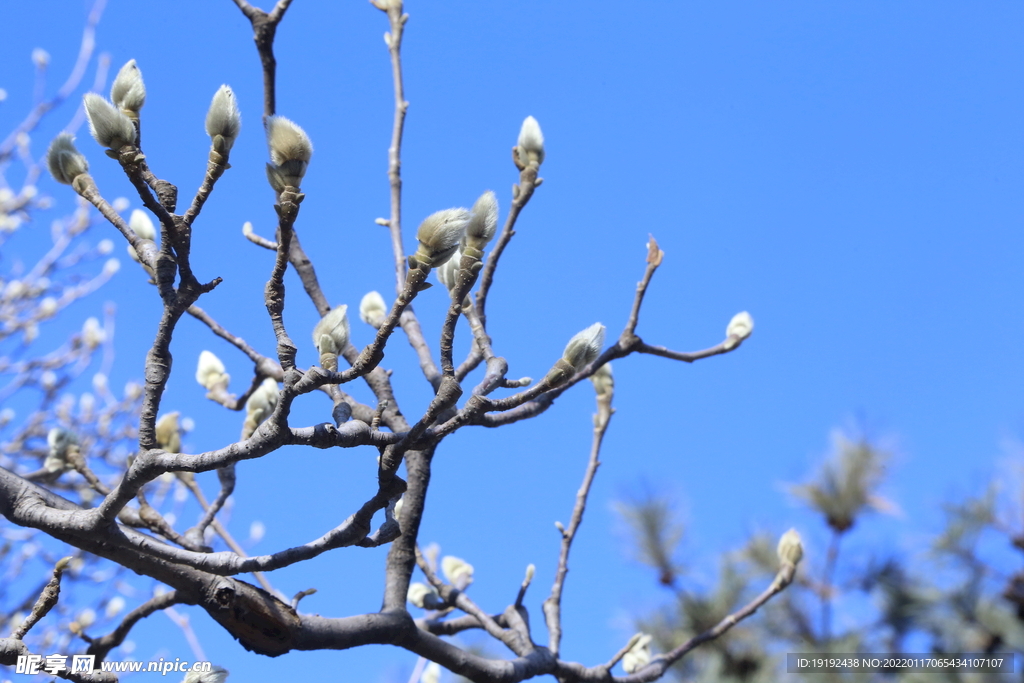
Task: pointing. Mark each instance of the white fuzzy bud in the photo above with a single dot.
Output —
(210, 371)
(223, 120)
(128, 91)
(115, 606)
(531, 142)
(583, 348)
(423, 596)
(59, 441)
(290, 152)
(168, 433)
(330, 336)
(47, 307)
(448, 272)
(108, 125)
(791, 549)
(458, 572)
(483, 223)
(373, 309)
(64, 160)
(739, 329)
(217, 674)
(142, 224)
(431, 673)
(638, 656)
(531, 569)
(92, 334)
(439, 236)
(262, 402)
(398, 509)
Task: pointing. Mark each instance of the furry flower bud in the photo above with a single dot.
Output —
(141, 225)
(604, 383)
(92, 334)
(260, 406)
(638, 656)
(423, 596)
(108, 125)
(59, 442)
(448, 272)
(210, 371)
(128, 91)
(483, 223)
(217, 674)
(168, 433)
(439, 236)
(530, 147)
(583, 348)
(223, 120)
(290, 152)
(791, 549)
(458, 572)
(739, 329)
(64, 160)
(373, 309)
(330, 336)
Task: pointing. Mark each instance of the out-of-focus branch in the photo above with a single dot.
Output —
(102, 646)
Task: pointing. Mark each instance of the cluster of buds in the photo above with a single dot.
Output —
(223, 121)
(260, 406)
(290, 152)
(373, 310)
(168, 433)
(580, 352)
(530, 147)
(330, 336)
(59, 442)
(210, 372)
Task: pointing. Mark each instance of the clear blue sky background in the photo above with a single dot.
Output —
(849, 172)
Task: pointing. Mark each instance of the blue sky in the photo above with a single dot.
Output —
(849, 173)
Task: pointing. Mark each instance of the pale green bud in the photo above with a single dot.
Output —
(458, 572)
(168, 433)
(448, 272)
(432, 671)
(373, 309)
(439, 236)
(483, 223)
(330, 336)
(142, 225)
(638, 656)
(602, 380)
(423, 596)
(262, 402)
(583, 348)
(128, 91)
(223, 120)
(64, 160)
(59, 441)
(210, 371)
(530, 147)
(791, 549)
(108, 125)
(290, 152)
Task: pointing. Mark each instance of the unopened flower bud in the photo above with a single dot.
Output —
(331, 336)
(531, 142)
(47, 307)
(223, 120)
(373, 309)
(128, 91)
(448, 272)
(168, 434)
(210, 371)
(483, 223)
(92, 334)
(59, 441)
(64, 160)
(458, 572)
(432, 671)
(290, 152)
(423, 596)
(260, 406)
(739, 329)
(398, 508)
(639, 655)
(583, 348)
(217, 674)
(604, 383)
(439, 236)
(115, 606)
(790, 549)
(108, 125)
(531, 569)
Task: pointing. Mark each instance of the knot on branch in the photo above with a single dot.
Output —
(259, 621)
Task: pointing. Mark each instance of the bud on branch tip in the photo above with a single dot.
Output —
(439, 236)
(108, 125)
(128, 91)
(739, 329)
(290, 152)
(583, 348)
(531, 142)
(223, 120)
(64, 160)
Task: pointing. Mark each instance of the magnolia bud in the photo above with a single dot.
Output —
(398, 509)
(423, 596)
(531, 143)
(604, 383)
(168, 434)
(583, 348)
(290, 152)
(530, 571)
(448, 272)
(128, 91)
(108, 125)
(142, 225)
(439, 236)
(739, 329)
(483, 223)
(210, 371)
(260, 406)
(92, 334)
(373, 310)
(223, 120)
(330, 336)
(217, 674)
(64, 160)
(638, 656)
(458, 572)
(59, 441)
(432, 671)
(790, 549)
